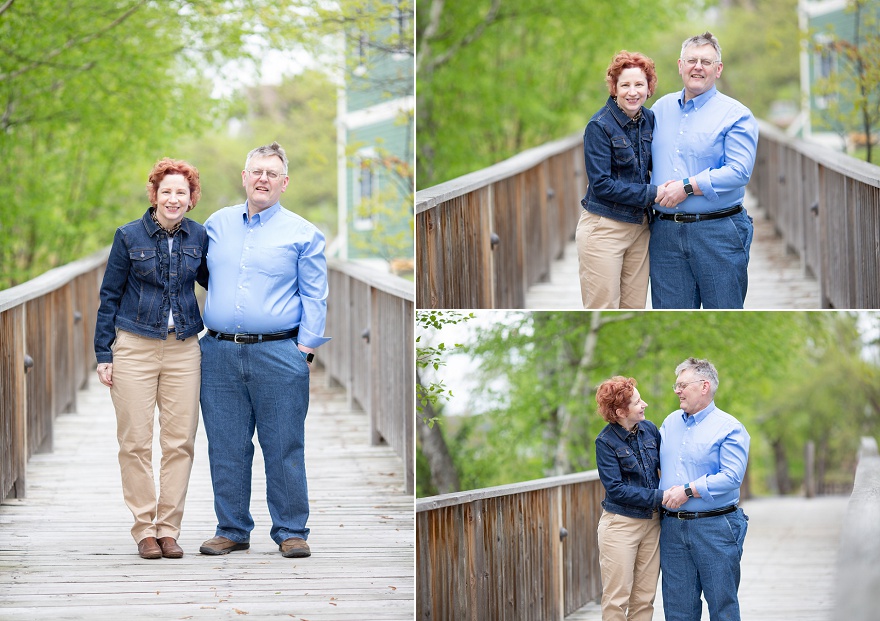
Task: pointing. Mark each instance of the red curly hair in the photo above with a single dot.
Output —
(627, 60)
(167, 166)
(614, 394)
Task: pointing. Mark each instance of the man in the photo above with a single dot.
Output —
(265, 314)
(703, 457)
(703, 152)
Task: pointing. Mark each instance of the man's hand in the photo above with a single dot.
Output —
(674, 193)
(674, 497)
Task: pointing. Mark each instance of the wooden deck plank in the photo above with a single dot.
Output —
(66, 551)
(789, 561)
(776, 278)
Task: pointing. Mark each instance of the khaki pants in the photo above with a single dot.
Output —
(629, 558)
(612, 262)
(146, 373)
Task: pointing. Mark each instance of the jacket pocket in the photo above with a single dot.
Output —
(192, 258)
(622, 149)
(627, 459)
(144, 261)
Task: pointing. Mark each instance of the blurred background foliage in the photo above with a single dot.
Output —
(517, 400)
(93, 93)
(495, 77)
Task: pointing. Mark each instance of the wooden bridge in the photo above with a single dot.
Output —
(65, 547)
(528, 551)
(502, 237)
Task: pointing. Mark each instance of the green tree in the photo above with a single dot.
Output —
(534, 413)
(495, 77)
(853, 92)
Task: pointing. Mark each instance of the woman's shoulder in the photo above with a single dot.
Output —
(650, 427)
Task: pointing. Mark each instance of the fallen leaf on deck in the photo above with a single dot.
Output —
(240, 612)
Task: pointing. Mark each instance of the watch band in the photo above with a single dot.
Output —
(688, 491)
(688, 188)
(308, 357)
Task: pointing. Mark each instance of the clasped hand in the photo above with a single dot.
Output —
(670, 194)
(674, 497)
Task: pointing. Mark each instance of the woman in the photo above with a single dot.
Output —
(612, 233)
(146, 345)
(628, 457)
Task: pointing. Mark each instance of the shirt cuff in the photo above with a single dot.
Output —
(702, 487)
(705, 183)
(310, 339)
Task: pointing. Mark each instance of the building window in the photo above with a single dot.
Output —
(365, 188)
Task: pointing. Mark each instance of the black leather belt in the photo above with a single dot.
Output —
(698, 217)
(249, 339)
(693, 515)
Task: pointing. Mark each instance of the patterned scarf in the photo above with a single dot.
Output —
(170, 231)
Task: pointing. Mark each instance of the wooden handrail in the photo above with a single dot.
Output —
(51, 320)
(483, 239)
(526, 551)
(858, 565)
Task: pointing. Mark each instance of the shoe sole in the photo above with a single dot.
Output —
(296, 554)
(217, 552)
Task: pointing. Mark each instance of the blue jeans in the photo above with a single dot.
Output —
(700, 263)
(702, 555)
(262, 386)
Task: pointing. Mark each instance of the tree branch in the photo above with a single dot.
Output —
(433, 27)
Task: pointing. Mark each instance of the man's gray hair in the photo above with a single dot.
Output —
(702, 369)
(707, 38)
(268, 149)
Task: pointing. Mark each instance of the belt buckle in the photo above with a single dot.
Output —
(235, 339)
(676, 215)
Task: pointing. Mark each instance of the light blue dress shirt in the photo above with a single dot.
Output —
(712, 139)
(710, 449)
(267, 274)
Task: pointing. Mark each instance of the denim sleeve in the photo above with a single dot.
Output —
(597, 158)
(112, 290)
(202, 274)
(612, 478)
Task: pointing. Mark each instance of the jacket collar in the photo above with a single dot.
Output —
(618, 114)
(153, 229)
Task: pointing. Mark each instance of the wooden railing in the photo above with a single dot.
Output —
(858, 564)
(826, 206)
(370, 316)
(483, 239)
(47, 354)
(520, 552)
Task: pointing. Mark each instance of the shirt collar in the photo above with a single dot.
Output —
(700, 416)
(262, 217)
(699, 100)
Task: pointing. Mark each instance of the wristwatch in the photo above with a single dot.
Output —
(688, 491)
(688, 188)
(307, 356)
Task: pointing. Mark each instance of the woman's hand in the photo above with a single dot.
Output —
(105, 373)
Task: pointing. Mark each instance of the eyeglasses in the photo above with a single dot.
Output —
(683, 385)
(705, 62)
(256, 174)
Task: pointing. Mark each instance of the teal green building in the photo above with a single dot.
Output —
(375, 121)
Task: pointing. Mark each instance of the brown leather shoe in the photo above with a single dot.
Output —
(149, 548)
(294, 548)
(170, 549)
(222, 545)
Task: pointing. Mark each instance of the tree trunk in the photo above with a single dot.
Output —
(783, 480)
(444, 476)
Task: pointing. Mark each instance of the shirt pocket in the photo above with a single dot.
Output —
(144, 261)
(707, 150)
(627, 459)
(622, 149)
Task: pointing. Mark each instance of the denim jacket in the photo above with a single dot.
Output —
(630, 489)
(143, 280)
(617, 154)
